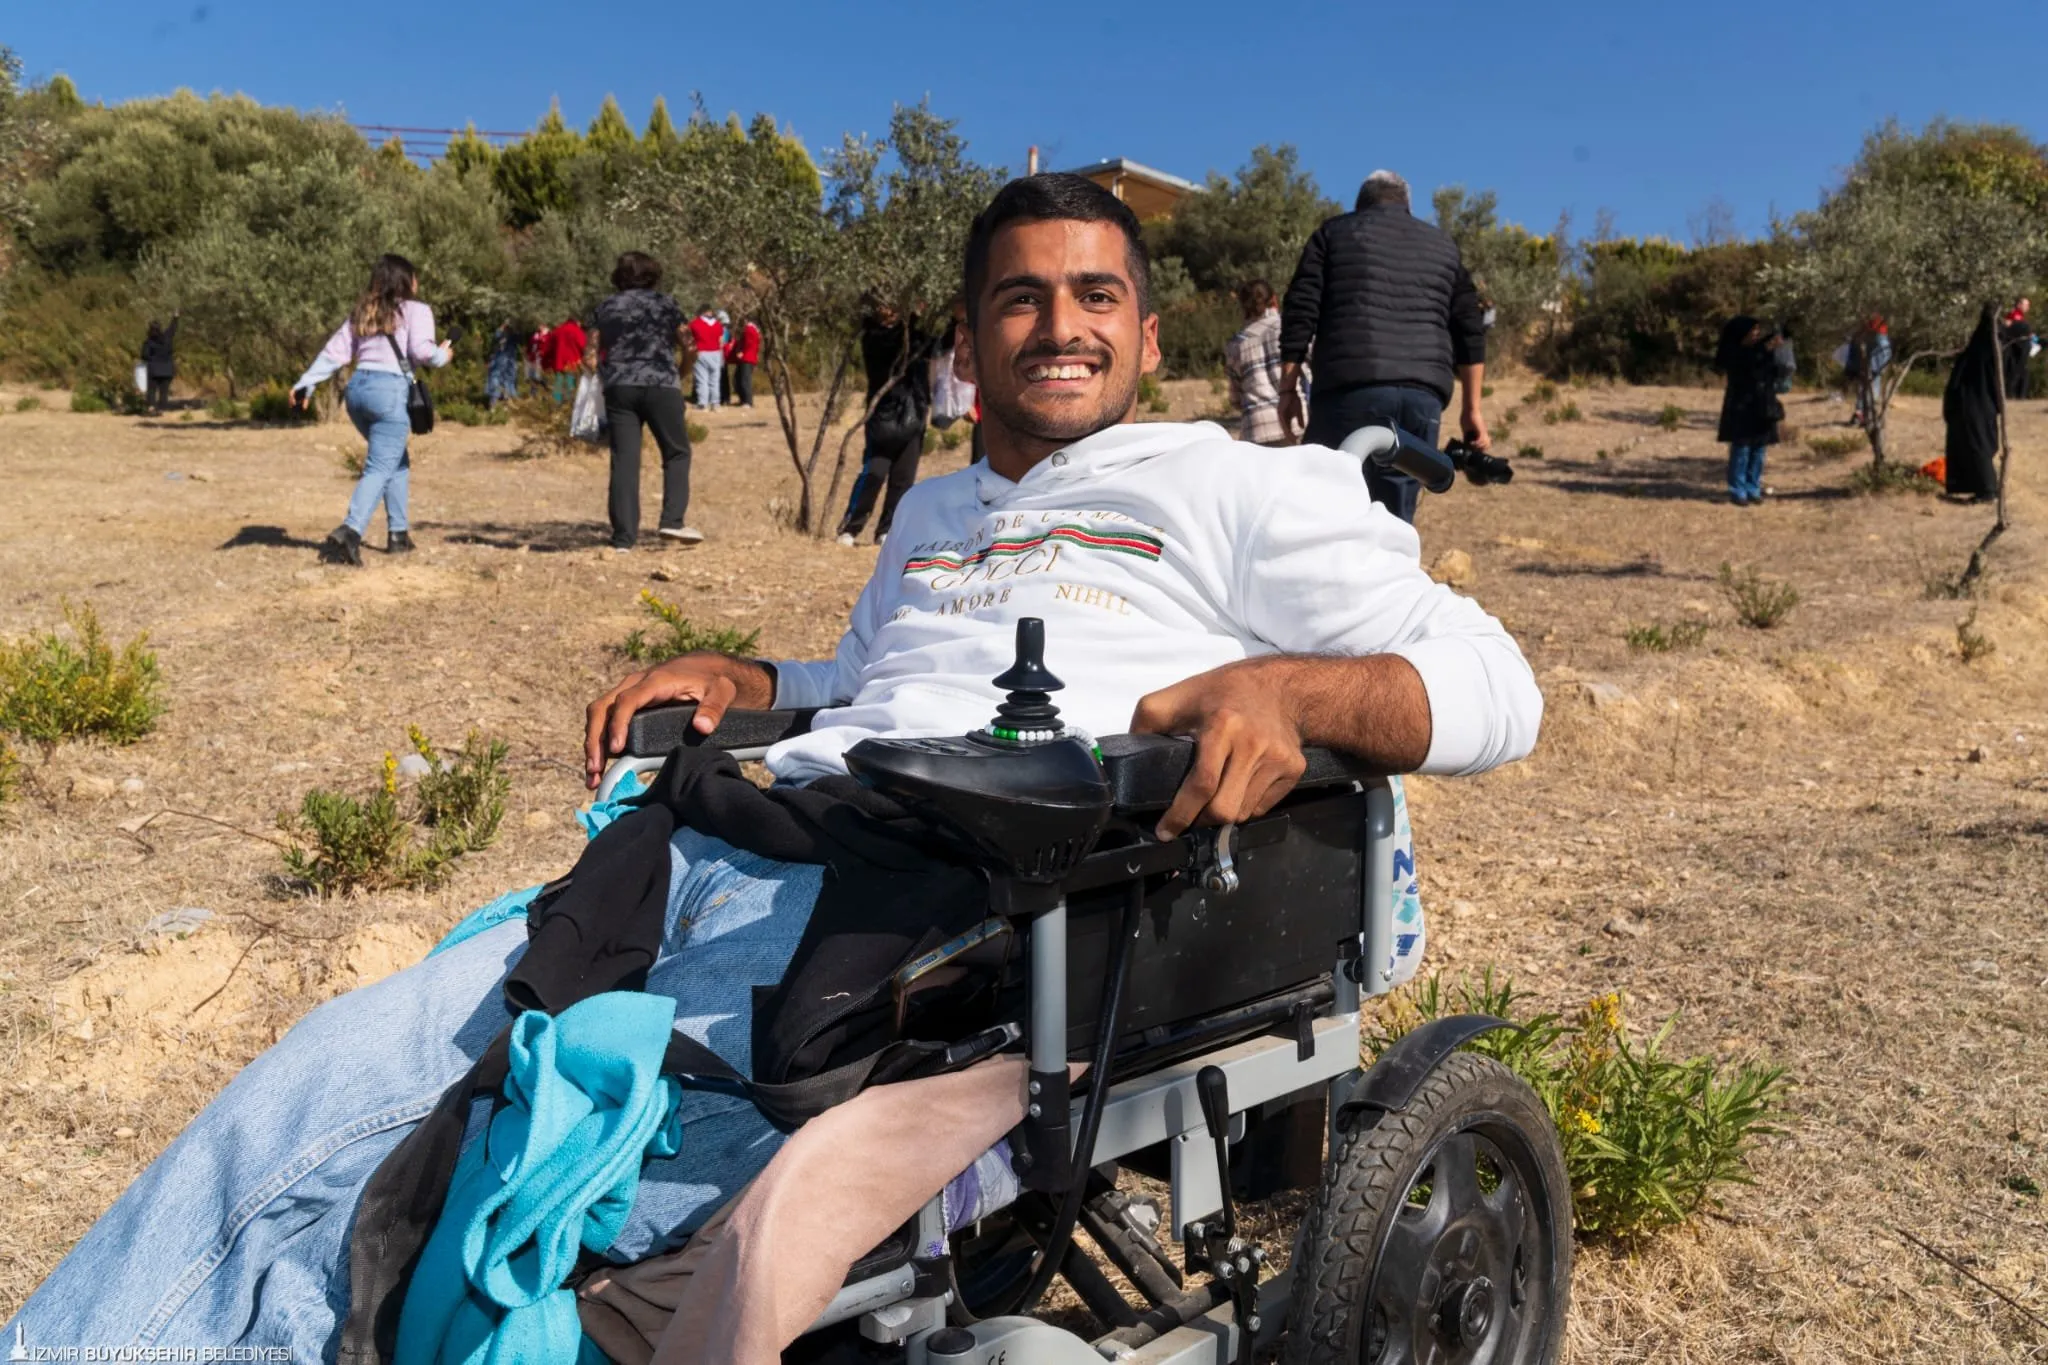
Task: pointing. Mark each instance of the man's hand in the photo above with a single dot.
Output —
(1474, 424)
(1248, 740)
(1292, 420)
(714, 681)
(1471, 388)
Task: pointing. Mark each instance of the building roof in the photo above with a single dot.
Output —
(1150, 193)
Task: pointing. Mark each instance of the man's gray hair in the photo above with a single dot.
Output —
(1383, 187)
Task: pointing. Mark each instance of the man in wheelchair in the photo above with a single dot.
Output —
(1253, 601)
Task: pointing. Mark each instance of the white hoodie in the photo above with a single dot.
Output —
(1153, 552)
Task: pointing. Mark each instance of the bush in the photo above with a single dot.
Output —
(1649, 1140)
(53, 688)
(1567, 413)
(1758, 603)
(677, 634)
(226, 410)
(339, 843)
(89, 400)
(698, 433)
(1192, 334)
(1972, 643)
(28, 402)
(10, 767)
(1150, 395)
(545, 424)
(465, 413)
(272, 403)
(957, 435)
(1658, 638)
(1890, 477)
(1671, 417)
(1835, 447)
(1541, 394)
(1529, 451)
(931, 440)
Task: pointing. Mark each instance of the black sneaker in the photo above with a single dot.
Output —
(342, 546)
(398, 543)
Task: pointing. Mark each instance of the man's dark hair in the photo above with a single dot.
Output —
(636, 270)
(1381, 187)
(1255, 297)
(1052, 197)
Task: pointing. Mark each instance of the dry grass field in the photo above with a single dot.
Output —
(1825, 844)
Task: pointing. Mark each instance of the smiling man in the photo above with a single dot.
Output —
(1255, 600)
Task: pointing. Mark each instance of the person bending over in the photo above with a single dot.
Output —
(1184, 590)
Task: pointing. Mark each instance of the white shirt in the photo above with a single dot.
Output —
(1153, 552)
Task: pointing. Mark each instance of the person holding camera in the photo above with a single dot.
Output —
(1754, 356)
(1386, 301)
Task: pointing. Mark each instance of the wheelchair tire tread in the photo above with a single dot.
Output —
(1370, 1171)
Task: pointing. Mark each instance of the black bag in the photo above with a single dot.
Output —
(419, 404)
(897, 418)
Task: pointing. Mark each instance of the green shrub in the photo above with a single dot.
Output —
(339, 843)
(9, 768)
(1150, 394)
(226, 410)
(1529, 451)
(677, 634)
(957, 435)
(1649, 1140)
(1569, 412)
(931, 440)
(464, 413)
(1890, 477)
(1924, 382)
(1671, 417)
(272, 403)
(53, 688)
(1657, 638)
(1542, 393)
(698, 433)
(1758, 603)
(1833, 447)
(28, 402)
(1972, 643)
(545, 424)
(89, 400)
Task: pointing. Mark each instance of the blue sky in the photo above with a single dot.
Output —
(1651, 110)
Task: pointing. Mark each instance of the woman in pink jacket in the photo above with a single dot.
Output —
(387, 333)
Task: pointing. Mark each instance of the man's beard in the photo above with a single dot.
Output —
(1066, 423)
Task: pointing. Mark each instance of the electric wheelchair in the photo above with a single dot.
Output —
(1213, 984)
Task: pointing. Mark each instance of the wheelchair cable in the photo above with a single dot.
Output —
(1109, 1014)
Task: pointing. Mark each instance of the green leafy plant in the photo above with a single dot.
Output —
(1890, 477)
(1529, 451)
(338, 843)
(1657, 638)
(54, 687)
(273, 403)
(28, 402)
(1568, 412)
(1758, 602)
(467, 414)
(1544, 392)
(226, 410)
(1151, 394)
(1648, 1139)
(956, 435)
(699, 433)
(1972, 643)
(10, 767)
(677, 634)
(1671, 417)
(89, 400)
(1834, 447)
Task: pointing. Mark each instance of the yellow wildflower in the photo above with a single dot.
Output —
(1587, 1123)
(390, 774)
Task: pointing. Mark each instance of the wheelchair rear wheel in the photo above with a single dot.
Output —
(1442, 1234)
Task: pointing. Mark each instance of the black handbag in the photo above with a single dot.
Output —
(419, 404)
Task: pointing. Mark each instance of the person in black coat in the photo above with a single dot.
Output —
(1749, 354)
(1970, 405)
(159, 363)
(2016, 334)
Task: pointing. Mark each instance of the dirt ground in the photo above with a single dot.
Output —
(1825, 845)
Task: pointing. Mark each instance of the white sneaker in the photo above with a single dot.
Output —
(682, 535)
(844, 539)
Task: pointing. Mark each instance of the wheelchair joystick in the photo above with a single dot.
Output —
(1027, 715)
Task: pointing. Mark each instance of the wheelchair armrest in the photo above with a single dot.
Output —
(658, 729)
(1145, 771)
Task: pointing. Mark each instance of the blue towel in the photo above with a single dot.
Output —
(556, 1171)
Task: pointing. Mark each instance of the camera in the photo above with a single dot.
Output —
(1477, 466)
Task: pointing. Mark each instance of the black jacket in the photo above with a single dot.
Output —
(1750, 410)
(1386, 299)
(157, 354)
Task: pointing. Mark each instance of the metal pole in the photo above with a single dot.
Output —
(1049, 990)
(1379, 889)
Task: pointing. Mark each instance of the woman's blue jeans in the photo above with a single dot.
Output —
(376, 404)
(1746, 472)
(238, 1234)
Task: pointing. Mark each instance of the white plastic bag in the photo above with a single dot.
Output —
(142, 379)
(586, 410)
(952, 399)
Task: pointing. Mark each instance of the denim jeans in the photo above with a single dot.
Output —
(1334, 414)
(710, 369)
(1746, 473)
(237, 1235)
(376, 404)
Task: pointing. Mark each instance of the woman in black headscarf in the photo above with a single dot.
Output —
(1750, 411)
(1969, 407)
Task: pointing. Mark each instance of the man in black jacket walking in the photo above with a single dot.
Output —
(1393, 317)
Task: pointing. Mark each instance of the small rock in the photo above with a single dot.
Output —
(664, 574)
(124, 1133)
(173, 476)
(177, 923)
(1453, 568)
(1622, 927)
(82, 1031)
(1463, 909)
(87, 787)
(539, 819)
(1981, 967)
(413, 767)
(199, 476)
(1978, 754)
(290, 766)
(132, 786)
(1603, 694)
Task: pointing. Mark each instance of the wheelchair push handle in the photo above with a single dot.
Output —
(1389, 447)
